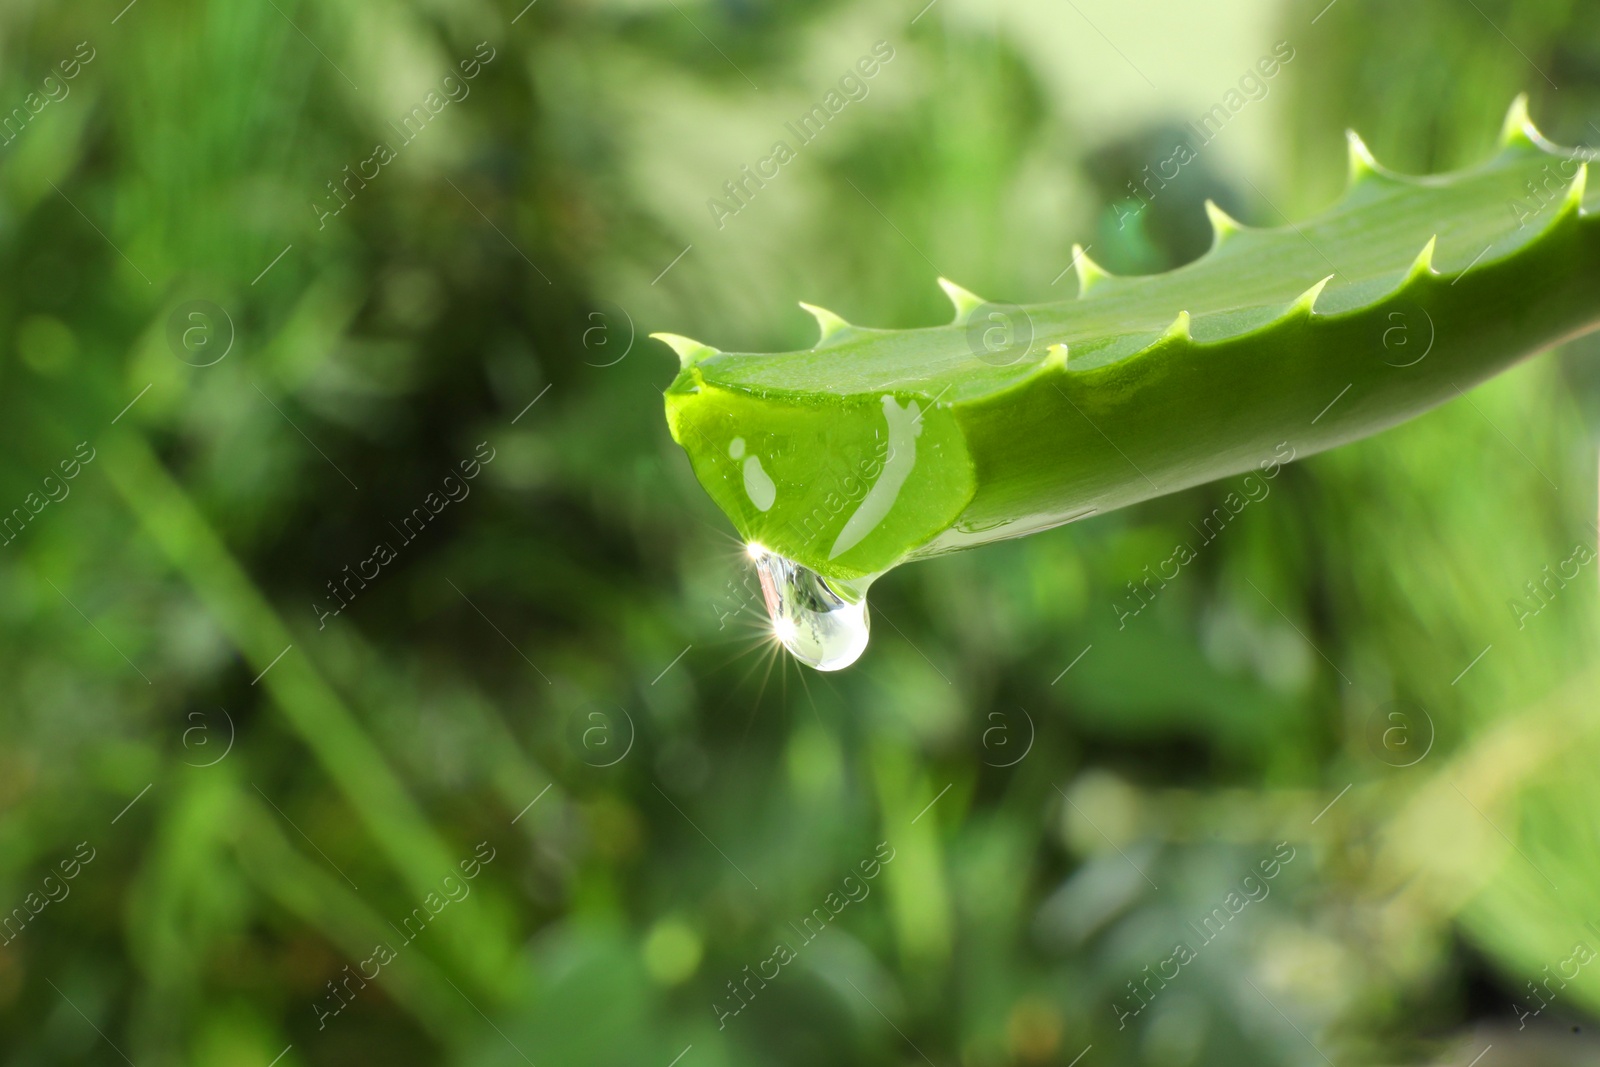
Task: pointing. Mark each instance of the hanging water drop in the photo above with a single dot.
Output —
(823, 624)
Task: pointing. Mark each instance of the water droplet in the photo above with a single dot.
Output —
(822, 623)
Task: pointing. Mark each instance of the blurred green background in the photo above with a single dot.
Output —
(245, 346)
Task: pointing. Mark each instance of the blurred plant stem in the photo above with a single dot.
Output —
(309, 703)
(307, 891)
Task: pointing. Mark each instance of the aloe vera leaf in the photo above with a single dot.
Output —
(878, 446)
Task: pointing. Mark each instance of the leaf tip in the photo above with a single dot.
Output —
(965, 302)
(831, 325)
(689, 350)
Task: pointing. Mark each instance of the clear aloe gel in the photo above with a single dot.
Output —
(822, 623)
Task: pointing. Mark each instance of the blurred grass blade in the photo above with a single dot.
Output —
(309, 704)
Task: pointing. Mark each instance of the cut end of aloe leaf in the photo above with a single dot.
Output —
(876, 446)
(847, 488)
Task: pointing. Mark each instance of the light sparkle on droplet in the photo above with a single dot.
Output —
(823, 624)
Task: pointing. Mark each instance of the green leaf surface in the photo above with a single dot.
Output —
(878, 446)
